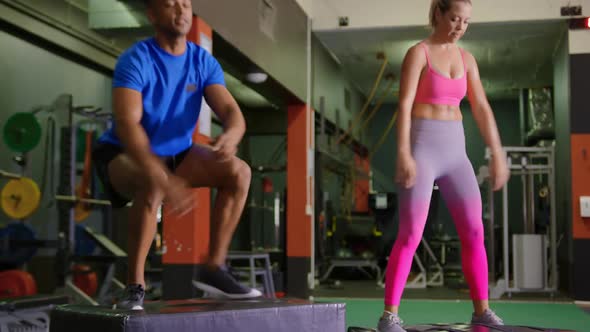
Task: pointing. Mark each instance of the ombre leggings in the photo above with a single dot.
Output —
(438, 148)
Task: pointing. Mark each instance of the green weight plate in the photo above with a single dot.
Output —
(22, 132)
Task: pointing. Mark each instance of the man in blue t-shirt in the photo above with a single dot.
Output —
(148, 156)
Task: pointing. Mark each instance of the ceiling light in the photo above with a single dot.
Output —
(256, 77)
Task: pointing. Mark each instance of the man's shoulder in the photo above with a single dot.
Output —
(142, 46)
(199, 52)
(194, 47)
(136, 51)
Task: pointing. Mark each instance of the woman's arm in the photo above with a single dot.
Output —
(412, 66)
(484, 118)
(482, 112)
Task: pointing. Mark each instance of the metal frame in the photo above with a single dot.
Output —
(360, 264)
(67, 224)
(425, 278)
(533, 161)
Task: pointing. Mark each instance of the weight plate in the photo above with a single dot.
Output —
(11, 254)
(20, 198)
(17, 283)
(22, 132)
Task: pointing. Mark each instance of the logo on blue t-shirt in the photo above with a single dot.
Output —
(191, 88)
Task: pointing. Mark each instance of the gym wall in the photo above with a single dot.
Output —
(329, 81)
(271, 37)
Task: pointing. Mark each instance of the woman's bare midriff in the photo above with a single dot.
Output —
(437, 112)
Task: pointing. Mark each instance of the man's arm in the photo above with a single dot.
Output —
(127, 110)
(234, 126)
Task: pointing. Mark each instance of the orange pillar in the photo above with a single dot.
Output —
(578, 65)
(361, 184)
(580, 145)
(186, 238)
(299, 199)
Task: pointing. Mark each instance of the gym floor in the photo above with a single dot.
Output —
(364, 303)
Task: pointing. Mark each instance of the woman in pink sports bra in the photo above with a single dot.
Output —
(436, 75)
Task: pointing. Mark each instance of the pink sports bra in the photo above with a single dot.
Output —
(434, 88)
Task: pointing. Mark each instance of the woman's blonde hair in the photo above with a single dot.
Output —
(442, 5)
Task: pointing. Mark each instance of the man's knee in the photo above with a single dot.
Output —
(240, 174)
(149, 190)
(122, 175)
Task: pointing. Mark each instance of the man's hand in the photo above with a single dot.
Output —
(227, 110)
(225, 145)
(175, 189)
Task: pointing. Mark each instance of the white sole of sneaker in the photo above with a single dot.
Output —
(135, 307)
(218, 293)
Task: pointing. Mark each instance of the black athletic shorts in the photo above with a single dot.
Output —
(104, 153)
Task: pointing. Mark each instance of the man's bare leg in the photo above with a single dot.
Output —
(126, 179)
(232, 180)
(231, 177)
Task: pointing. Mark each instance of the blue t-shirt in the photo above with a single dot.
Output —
(172, 88)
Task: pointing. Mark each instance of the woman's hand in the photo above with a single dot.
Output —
(405, 172)
(499, 172)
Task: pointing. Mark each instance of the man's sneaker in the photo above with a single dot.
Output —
(220, 283)
(487, 318)
(390, 323)
(132, 298)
